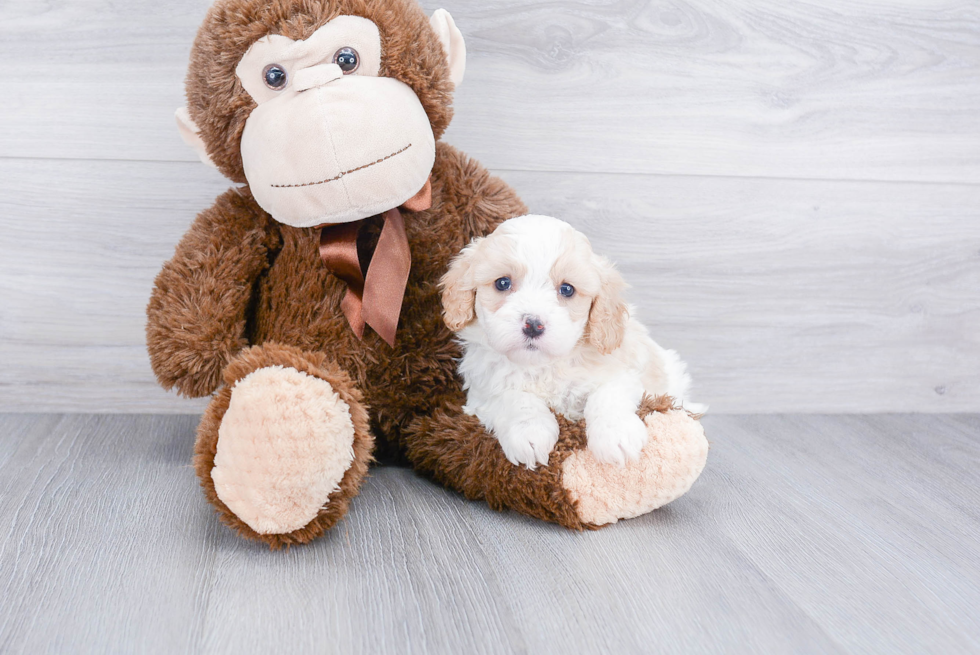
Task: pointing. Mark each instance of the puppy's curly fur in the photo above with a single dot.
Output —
(552, 333)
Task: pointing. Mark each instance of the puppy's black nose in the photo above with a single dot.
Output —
(533, 327)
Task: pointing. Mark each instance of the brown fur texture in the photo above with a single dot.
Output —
(239, 278)
(197, 313)
(318, 366)
(455, 450)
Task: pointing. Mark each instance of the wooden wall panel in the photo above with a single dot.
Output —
(783, 295)
(834, 90)
(790, 295)
(792, 188)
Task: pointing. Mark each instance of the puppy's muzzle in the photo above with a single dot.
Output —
(533, 327)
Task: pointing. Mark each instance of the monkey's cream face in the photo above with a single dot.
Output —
(330, 141)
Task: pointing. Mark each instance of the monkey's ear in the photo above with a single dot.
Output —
(452, 43)
(191, 134)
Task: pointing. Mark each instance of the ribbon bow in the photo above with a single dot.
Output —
(376, 298)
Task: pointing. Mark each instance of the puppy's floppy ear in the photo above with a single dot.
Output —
(608, 316)
(458, 289)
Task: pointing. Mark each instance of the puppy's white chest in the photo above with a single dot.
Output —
(564, 388)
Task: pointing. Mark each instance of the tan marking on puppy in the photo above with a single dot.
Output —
(574, 266)
(458, 293)
(489, 298)
(607, 320)
(498, 259)
(471, 278)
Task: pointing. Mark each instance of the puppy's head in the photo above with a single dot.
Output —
(537, 291)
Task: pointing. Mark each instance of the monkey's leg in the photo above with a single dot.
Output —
(283, 447)
(574, 489)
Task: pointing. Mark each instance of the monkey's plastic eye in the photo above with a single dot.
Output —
(274, 76)
(566, 290)
(502, 283)
(347, 59)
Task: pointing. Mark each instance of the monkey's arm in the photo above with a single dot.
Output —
(197, 312)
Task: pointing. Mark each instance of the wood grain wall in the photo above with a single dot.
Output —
(792, 188)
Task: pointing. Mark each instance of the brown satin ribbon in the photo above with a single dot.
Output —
(375, 298)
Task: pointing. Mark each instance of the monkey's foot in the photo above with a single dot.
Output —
(669, 463)
(283, 448)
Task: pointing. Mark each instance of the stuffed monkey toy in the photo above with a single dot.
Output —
(307, 300)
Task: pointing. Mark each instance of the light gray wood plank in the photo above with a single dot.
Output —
(396, 576)
(102, 535)
(105, 77)
(830, 90)
(877, 90)
(78, 263)
(782, 295)
(805, 534)
(776, 307)
(860, 506)
(635, 571)
(790, 295)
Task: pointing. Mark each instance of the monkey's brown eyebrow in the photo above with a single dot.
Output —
(337, 177)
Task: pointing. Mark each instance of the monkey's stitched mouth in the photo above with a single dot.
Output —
(340, 175)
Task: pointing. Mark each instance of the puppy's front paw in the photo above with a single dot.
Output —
(616, 439)
(530, 441)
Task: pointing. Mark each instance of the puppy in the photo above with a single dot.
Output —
(543, 327)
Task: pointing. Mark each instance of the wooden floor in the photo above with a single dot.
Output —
(805, 534)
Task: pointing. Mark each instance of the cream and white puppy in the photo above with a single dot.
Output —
(543, 327)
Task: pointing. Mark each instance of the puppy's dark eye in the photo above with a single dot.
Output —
(566, 290)
(274, 76)
(347, 59)
(502, 283)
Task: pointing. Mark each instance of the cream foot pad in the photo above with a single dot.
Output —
(671, 461)
(283, 447)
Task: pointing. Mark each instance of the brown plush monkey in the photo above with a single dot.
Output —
(308, 297)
